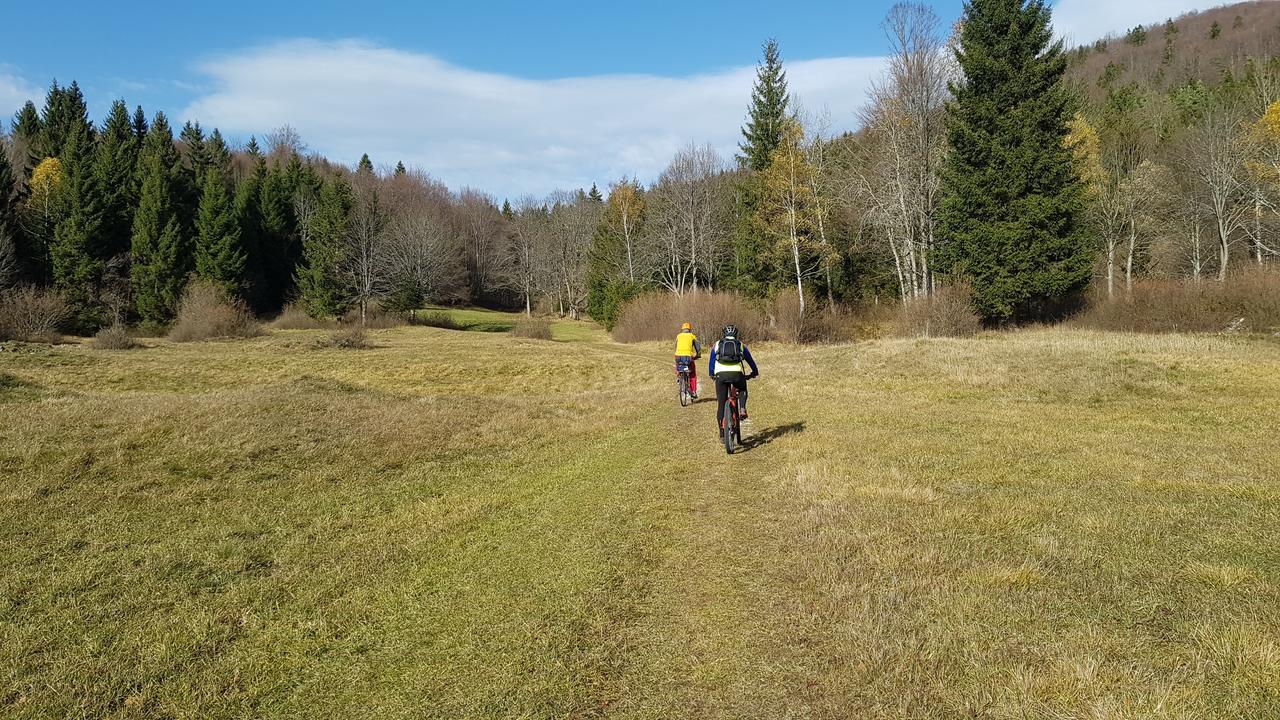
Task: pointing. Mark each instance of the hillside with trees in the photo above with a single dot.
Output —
(993, 159)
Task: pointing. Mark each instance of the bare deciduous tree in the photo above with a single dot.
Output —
(686, 230)
(365, 266)
(898, 178)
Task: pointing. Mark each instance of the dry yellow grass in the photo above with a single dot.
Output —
(1047, 524)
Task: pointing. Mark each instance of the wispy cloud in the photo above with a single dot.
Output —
(504, 134)
(14, 92)
(1083, 21)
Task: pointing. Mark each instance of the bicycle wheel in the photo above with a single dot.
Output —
(730, 428)
(684, 390)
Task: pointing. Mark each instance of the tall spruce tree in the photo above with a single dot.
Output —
(768, 112)
(161, 256)
(249, 219)
(365, 165)
(115, 167)
(27, 131)
(65, 113)
(1011, 201)
(276, 254)
(749, 266)
(76, 261)
(319, 284)
(220, 258)
(140, 125)
(10, 261)
(400, 169)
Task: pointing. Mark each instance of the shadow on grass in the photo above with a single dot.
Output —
(765, 437)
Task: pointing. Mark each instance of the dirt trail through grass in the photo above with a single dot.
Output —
(469, 525)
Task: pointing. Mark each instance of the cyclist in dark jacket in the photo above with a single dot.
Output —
(725, 363)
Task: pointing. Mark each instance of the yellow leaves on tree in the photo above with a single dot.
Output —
(46, 178)
(788, 209)
(1086, 151)
(1266, 136)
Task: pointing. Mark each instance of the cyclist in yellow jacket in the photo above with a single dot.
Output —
(688, 349)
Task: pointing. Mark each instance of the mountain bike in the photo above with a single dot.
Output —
(731, 425)
(683, 384)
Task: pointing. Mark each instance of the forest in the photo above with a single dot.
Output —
(1038, 181)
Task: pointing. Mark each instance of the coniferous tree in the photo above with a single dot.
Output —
(768, 112)
(76, 261)
(220, 258)
(10, 262)
(65, 112)
(319, 283)
(276, 255)
(595, 196)
(160, 252)
(217, 154)
(750, 267)
(115, 169)
(366, 165)
(27, 131)
(140, 125)
(249, 219)
(400, 169)
(1011, 201)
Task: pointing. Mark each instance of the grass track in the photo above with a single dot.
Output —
(1044, 524)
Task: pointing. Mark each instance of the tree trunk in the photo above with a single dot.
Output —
(1224, 251)
(1111, 267)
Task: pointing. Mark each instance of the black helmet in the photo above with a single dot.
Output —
(730, 331)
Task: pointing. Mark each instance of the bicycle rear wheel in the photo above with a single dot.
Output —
(684, 390)
(730, 428)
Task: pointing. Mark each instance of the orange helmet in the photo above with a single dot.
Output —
(686, 326)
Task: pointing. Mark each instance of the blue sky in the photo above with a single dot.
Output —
(511, 97)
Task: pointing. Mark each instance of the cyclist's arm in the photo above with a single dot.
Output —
(697, 348)
(711, 361)
(746, 354)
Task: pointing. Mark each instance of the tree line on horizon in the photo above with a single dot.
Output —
(981, 158)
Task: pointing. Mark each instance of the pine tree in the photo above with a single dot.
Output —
(276, 254)
(27, 130)
(1010, 216)
(161, 254)
(115, 167)
(400, 169)
(218, 154)
(140, 125)
(76, 263)
(768, 112)
(366, 165)
(220, 258)
(10, 262)
(194, 153)
(65, 113)
(595, 196)
(319, 284)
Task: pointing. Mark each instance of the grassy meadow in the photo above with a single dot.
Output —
(1041, 524)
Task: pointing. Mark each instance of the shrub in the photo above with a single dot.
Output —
(114, 337)
(948, 312)
(31, 314)
(293, 317)
(436, 319)
(350, 338)
(206, 313)
(657, 316)
(1247, 301)
(532, 328)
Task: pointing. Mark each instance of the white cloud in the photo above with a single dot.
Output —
(503, 134)
(14, 93)
(1083, 21)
